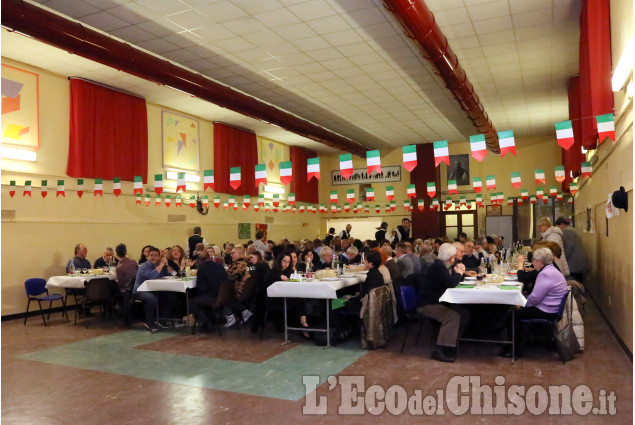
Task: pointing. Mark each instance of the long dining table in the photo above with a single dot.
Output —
(325, 289)
(170, 284)
(75, 281)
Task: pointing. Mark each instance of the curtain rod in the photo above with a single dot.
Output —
(106, 86)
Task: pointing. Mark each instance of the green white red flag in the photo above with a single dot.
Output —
(516, 181)
(366, 209)
(524, 193)
(99, 188)
(462, 201)
(138, 199)
(60, 189)
(390, 193)
(116, 186)
(216, 201)
(370, 194)
(247, 201)
(539, 173)
(27, 188)
(420, 204)
(347, 206)
(180, 182)
(178, 201)
(479, 200)
(506, 142)
(137, 185)
(146, 201)
(205, 201)
(168, 200)
(539, 192)
(490, 182)
(302, 208)
(573, 188)
(333, 208)
(157, 201)
(261, 199)
(409, 157)
(312, 168)
(387, 209)
(333, 197)
(510, 200)
(350, 195)
(553, 191)
(291, 198)
(478, 147)
(606, 127)
(559, 196)
(434, 204)
(431, 189)
(208, 180)
(234, 177)
(286, 172)
(44, 188)
(393, 205)
(192, 201)
(477, 184)
(441, 152)
(377, 208)
(560, 173)
(411, 191)
(452, 187)
(587, 169)
(12, 188)
(276, 200)
(346, 165)
(261, 174)
(448, 203)
(158, 183)
(564, 134)
(532, 199)
(373, 162)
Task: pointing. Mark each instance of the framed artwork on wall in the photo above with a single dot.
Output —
(244, 231)
(180, 139)
(20, 108)
(459, 170)
(493, 210)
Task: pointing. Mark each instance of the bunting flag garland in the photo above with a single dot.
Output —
(411, 191)
(180, 182)
(147, 200)
(553, 191)
(60, 189)
(434, 205)
(286, 172)
(261, 199)
(393, 205)
(448, 203)
(370, 194)
(261, 174)
(347, 207)
(247, 201)
(477, 184)
(157, 201)
(373, 162)
(178, 201)
(516, 182)
(256, 207)
(457, 204)
(138, 198)
(519, 200)
(346, 165)
(291, 199)
(205, 201)
(99, 188)
(431, 189)
(116, 186)
(232, 202)
(462, 201)
(80, 187)
(216, 201)
(312, 168)
(333, 208)
(390, 193)
(409, 157)
(137, 185)
(407, 205)
(420, 204)
(524, 193)
(44, 188)
(539, 173)
(158, 183)
(490, 182)
(564, 134)
(560, 173)
(225, 205)
(573, 188)
(267, 207)
(322, 208)
(539, 193)
(357, 208)
(366, 209)
(570, 199)
(333, 197)
(587, 170)
(350, 195)
(302, 208)
(532, 199)
(27, 188)
(452, 187)
(469, 205)
(506, 142)
(168, 200)
(234, 177)
(477, 145)
(377, 208)
(479, 200)
(510, 201)
(208, 180)
(441, 153)
(12, 188)
(606, 127)
(276, 200)
(387, 209)
(559, 196)
(192, 201)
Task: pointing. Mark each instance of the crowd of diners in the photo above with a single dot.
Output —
(431, 265)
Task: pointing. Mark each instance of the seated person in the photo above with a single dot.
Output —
(296, 264)
(281, 270)
(351, 256)
(460, 251)
(104, 261)
(471, 258)
(374, 279)
(528, 275)
(79, 260)
(126, 269)
(209, 277)
(155, 267)
(195, 261)
(453, 318)
(326, 259)
(177, 260)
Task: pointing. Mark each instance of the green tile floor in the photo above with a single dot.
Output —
(278, 377)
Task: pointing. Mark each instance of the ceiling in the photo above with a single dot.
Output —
(343, 64)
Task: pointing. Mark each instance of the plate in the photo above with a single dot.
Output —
(512, 273)
(470, 278)
(330, 278)
(514, 278)
(348, 275)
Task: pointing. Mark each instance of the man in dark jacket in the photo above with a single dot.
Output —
(209, 278)
(380, 234)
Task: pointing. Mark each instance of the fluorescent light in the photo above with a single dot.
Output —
(182, 91)
(194, 178)
(19, 154)
(273, 189)
(624, 67)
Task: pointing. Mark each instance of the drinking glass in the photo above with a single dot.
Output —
(84, 270)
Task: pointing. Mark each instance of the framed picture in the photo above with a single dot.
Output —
(493, 210)
(244, 231)
(20, 108)
(180, 137)
(262, 227)
(459, 170)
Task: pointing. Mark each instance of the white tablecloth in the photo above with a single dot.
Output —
(484, 295)
(321, 289)
(74, 281)
(169, 284)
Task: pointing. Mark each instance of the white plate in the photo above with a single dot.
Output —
(348, 275)
(514, 278)
(469, 278)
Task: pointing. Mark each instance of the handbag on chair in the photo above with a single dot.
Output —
(566, 341)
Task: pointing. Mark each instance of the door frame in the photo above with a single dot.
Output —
(459, 221)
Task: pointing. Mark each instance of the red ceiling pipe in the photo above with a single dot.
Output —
(419, 24)
(68, 35)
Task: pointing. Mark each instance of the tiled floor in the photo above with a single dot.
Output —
(65, 374)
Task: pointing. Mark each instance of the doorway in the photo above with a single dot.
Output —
(454, 223)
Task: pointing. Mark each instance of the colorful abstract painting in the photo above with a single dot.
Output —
(271, 154)
(180, 136)
(20, 103)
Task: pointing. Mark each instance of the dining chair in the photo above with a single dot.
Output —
(408, 302)
(98, 291)
(224, 299)
(36, 291)
(550, 324)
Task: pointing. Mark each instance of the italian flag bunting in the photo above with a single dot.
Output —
(205, 201)
(524, 193)
(291, 199)
(532, 199)
(420, 204)
(434, 205)
(564, 134)
(208, 179)
(506, 142)
(27, 188)
(377, 208)
(370, 194)
(312, 168)
(261, 200)
(390, 193)
(157, 201)
(158, 184)
(490, 182)
(347, 207)
(448, 203)
(116, 186)
(232, 202)
(477, 184)
(60, 189)
(302, 208)
(587, 170)
(393, 205)
(406, 205)
(322, 208)
(350, 195)
(138, 198)
(560, 173)
(553, 191)
(462, 201)
(477, 145)
(180, 182)
(510, 200)
(256, 207)
(247, 201)
(137, 185)
(346, 165)
(261, 174)
(559, 196)
(519, 200)
(431, 189)
(570, 199)
(168, 200)
(409, 157)
(387, 209)
(479, 200)
(573, 188)
(441, 153)
(267, 207)
(12, 188)
(234, 177)
(373, 162)
(457, 204)
(539, 173)
(276, 200)
(80, 187)
(539, 192)
(606, 127)
(366, 209)
(286, 172)
(99, 188)
(333, 197)
(333, 208)
(146, 201)
(216, 201)
(411, 191)
(44, 188)
(516, 182)
(452, 187)
(178, 201)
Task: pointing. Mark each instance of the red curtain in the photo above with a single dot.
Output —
(596, 95)
(573, 157)
(304, 191)
(234, 147)
(108, 133)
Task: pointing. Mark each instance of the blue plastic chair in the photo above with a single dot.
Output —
(553, 324)
(36, 291)
(409, 303)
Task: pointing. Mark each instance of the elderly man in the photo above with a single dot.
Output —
(471, 258)
(414, 258)
(460, 252)
(390, 263)
(108, 257)
(79, 260)
(346, 233)
(406, 268)
(154, 268)
(325, 259)
(426, 257)
(573, 249)
(351, 256)
(442, 275)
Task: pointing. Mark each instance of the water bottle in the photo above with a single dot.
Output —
(111, 266)
(309, 270)
(71, 268)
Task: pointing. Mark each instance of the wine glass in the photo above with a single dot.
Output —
(84, 270)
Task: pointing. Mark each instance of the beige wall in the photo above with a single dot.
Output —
(40, 239)
(610, 278)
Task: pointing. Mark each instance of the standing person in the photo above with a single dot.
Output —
(108, 257)
(329, 237)
(380, 234)
(346, 233)
(190, 246)
(126, 269)
(554, 233)
(573, 249)
(404, 230)
(228, 253)
(79, 260)
(260, 244)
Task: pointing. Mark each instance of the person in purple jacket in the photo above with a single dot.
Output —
(545, 298)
